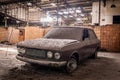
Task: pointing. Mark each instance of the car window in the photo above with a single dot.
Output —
(85, 34)
(92, 34)
(65, 33)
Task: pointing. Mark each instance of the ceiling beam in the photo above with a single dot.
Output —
(63, 1)
(13, 18)
(13, 1)
(66, 3)
(70, 6)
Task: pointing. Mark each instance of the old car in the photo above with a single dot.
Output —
(61, 46)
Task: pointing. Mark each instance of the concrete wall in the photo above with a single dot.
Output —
(107, 12)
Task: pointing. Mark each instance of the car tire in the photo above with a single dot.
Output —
(71, 65)
(94, 56)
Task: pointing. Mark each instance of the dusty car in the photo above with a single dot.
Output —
(61, 46)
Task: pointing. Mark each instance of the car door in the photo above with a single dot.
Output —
(86, 40)
(93, 41)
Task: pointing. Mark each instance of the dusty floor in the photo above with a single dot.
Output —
(106, 67)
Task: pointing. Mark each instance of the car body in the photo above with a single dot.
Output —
(61, 46)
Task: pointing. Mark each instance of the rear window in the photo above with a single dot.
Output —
(92, 34)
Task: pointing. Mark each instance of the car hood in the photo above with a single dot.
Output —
(48, 44)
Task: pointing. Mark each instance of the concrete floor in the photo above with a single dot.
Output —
(105, 67)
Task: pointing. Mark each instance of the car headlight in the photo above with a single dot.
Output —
(57, 55)
(21, 50)
(49, 54)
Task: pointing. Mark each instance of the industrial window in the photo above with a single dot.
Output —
(116, 19)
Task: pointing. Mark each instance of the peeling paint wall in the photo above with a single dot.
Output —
(107, 12)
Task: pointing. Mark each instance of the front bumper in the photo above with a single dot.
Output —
(42, 62)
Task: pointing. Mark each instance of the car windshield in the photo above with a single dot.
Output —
(65, 33)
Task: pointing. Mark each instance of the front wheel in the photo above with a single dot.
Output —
(71, 65)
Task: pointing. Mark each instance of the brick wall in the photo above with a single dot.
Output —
(13, 35)
(33, 33)
(109, 36)
(3, 34)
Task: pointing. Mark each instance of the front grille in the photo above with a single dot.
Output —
(35, 53)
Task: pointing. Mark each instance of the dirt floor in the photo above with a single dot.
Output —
(105, 67)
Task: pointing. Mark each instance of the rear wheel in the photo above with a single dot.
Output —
(71, 65)
(94, 56)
